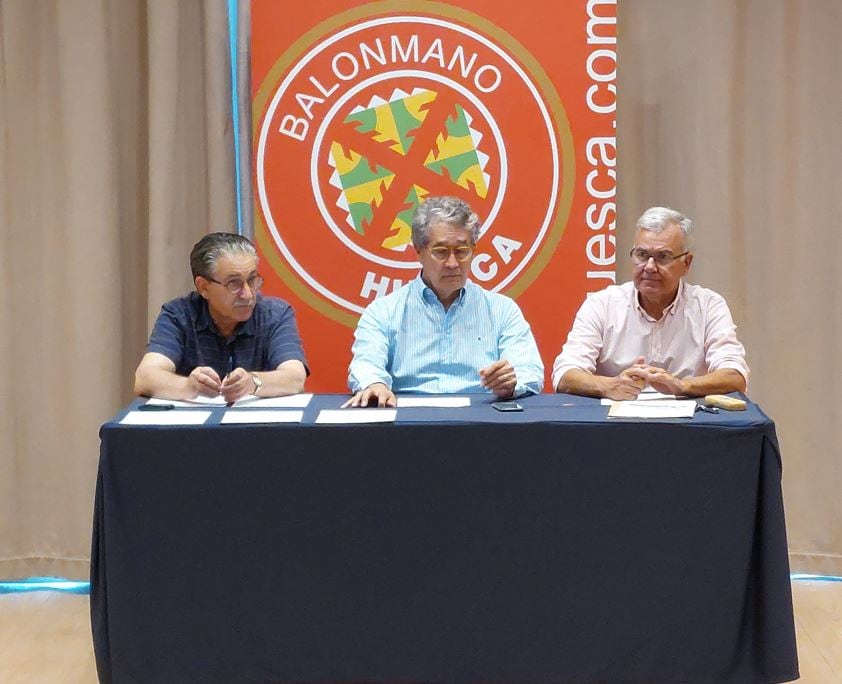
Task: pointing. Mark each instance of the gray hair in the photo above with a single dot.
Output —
(656, 219)
(206, 252)
(442, 210)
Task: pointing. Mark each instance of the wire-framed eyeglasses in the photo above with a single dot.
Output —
(236, 285)
(641, 256)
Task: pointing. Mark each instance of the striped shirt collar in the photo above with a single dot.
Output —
(429, 296)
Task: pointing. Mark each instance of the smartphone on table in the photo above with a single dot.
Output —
(506, 406)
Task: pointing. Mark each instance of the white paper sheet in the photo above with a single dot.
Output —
(250, 401)
(292, 401)
(645, 395)
(256, 416)
(350, 416)
(679, 408)
(433, 402)
(193, 403)
(165, 418)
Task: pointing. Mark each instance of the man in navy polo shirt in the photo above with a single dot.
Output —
(225, 338)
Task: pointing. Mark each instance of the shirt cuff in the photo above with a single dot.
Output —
(171, 354)
(559, 372)
(523, 390)
(359, 383)
(734, 365)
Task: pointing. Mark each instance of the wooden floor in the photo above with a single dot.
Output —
(45, 637)
(818, 627)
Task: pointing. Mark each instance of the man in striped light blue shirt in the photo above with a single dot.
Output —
(442, 333)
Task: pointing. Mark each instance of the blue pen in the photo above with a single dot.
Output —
(230, 369)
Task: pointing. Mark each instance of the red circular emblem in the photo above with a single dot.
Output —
(367, 121)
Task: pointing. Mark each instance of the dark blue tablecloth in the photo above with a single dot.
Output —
(454, 545)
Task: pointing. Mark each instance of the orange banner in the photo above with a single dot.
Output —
(363, 110)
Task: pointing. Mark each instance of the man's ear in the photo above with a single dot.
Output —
(202, 285)
(687, 261)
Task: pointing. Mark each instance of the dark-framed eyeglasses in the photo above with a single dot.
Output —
(641, 256)
(236, 285)
(462, 253)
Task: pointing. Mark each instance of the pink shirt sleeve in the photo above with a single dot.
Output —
(722, 348)
(584, 342)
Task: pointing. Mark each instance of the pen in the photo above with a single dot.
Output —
(229, 404)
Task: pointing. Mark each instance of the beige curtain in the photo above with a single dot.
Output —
(244, 111)
(731, 111)
(116, 155)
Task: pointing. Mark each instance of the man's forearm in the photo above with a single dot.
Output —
(578, 381)
(363, 374)
(286, 379)
(157, 382)
(720, 381)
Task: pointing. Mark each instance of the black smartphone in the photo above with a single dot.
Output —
(507, 406)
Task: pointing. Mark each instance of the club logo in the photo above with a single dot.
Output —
(361, 120)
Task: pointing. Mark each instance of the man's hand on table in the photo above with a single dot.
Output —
(500, 378)
(236, 385)
(628, 383)
(376, 394)
(665, 383)
(204, 381)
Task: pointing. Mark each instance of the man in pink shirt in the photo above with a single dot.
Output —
(657, 330)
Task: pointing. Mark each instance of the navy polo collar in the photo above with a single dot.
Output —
(202, 320)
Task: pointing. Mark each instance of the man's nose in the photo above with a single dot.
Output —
(451, 261)
(650, 264)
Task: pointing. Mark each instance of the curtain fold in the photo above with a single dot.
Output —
(116, 155)
(245, 113)
(729, 111)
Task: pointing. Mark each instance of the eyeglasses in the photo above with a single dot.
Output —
(640, 256)
(443, 253)
(236, 285)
